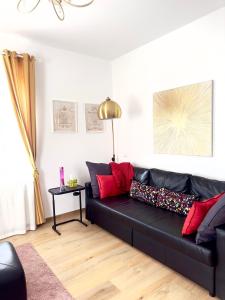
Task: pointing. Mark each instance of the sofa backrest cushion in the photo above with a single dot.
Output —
(141, 175)
(206, 188)
(176, 182)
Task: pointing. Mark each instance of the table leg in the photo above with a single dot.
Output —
(81, 220)
(80, 207)
(54, 217)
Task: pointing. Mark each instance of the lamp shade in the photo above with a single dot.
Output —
(109, 110)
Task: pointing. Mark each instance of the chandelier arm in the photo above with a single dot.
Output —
(79, 5)
(29, 11)
(59, 12)
(56, 12)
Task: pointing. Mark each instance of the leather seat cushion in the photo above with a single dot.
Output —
(163, 226)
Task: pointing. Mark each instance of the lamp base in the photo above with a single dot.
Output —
(113, 158)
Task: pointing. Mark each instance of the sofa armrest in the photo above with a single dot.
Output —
(88, 190)
(88, 201)
(220, 268)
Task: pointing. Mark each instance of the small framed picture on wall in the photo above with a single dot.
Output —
(93, 123)
(64, 116)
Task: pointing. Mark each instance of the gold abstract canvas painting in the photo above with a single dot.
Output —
(182, 120)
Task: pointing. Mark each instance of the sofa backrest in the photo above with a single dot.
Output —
(206, 188)
(142, 175)
(202, 187)
(176, 182)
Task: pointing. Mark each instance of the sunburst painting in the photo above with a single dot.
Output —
(182, 120)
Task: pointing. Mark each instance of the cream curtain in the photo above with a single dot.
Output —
(20, 70)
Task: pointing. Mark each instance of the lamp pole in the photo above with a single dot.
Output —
(113, 140)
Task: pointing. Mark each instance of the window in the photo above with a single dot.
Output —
(15, 166)
(17, 213)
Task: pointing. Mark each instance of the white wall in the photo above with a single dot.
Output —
(64, 75)
(189, 55)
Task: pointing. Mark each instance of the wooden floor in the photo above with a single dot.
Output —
(93, 264)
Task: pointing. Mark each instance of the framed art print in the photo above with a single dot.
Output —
(93, 123)
(64, 116)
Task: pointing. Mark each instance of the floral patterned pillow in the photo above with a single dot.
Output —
(177, 202)
(144, 193)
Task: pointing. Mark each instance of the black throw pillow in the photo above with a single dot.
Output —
(215, 217)
(97, 169)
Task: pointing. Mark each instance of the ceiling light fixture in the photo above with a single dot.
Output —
(27, 6)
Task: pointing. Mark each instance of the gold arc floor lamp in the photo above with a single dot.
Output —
(109, 110)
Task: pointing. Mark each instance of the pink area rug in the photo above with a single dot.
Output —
(42, 284)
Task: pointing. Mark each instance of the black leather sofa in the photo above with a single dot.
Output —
(12, 277)
(157, 232)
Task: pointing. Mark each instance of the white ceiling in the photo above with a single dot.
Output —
(107, 28)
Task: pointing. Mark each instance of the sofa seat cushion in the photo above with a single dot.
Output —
(163, 226)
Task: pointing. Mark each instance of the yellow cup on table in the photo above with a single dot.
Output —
(72, 182)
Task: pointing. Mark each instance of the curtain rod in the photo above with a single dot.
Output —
(17, 54)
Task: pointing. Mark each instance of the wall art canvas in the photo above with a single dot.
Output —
(93, 124)
(64, 116)
(182, 120)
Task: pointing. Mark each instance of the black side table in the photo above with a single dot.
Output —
(76, 192)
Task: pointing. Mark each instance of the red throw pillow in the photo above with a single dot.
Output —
(123, 173)
(107, 186)
(197, 213)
